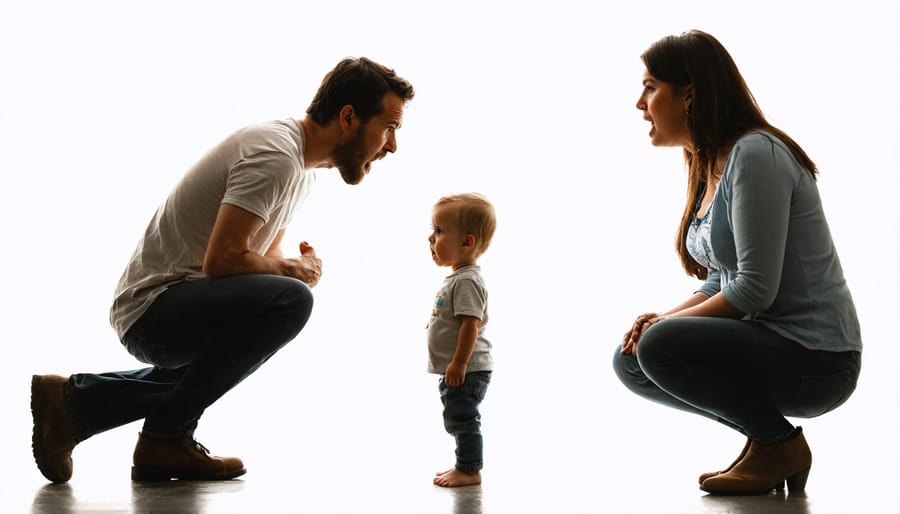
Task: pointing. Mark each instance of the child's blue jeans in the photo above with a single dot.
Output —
(462, 419)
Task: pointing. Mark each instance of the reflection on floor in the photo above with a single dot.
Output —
(246, 495)
(230, 496)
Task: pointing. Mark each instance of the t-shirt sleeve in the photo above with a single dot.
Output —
(258, 183)
(469, 299)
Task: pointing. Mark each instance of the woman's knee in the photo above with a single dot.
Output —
(618, 362)
(627, 368)
(653, 341)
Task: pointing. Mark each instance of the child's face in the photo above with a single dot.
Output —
(450, 246)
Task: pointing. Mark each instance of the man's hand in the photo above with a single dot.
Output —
(307, 268)
(455, 374)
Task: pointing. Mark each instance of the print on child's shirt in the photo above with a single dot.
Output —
(438, 303)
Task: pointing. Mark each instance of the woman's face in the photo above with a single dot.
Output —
(665, 107)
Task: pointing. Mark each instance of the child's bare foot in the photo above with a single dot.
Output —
(456, 478)
(441, 473)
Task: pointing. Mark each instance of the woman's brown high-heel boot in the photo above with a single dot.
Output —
(704, 476)
(765, 467)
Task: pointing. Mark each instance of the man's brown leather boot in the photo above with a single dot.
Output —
(53, 435)
(765, 467)
(157, 459)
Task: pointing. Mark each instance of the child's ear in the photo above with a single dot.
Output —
(469, 242)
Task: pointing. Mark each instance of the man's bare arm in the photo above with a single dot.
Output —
(228, 251)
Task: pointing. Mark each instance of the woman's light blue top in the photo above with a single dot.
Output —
(770, 251)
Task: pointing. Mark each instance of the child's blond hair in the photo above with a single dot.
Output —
(475, 216)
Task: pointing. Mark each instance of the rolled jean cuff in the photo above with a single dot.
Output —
(469, 468)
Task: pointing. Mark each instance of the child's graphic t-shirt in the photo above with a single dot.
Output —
(463, 293)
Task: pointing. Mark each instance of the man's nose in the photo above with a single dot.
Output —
(391, 144)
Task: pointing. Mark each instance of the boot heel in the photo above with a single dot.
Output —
(797, 482)
(149, 475)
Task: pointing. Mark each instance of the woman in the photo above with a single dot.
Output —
(773, 331)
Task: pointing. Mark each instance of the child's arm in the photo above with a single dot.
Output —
(465, 345)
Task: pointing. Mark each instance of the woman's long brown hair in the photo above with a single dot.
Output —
(722, 110)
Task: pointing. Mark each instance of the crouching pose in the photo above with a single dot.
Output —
(208, 296)
(773, 331)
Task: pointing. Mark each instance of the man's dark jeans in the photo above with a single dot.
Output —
(202, 337)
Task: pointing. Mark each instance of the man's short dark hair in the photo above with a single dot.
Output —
(360, 82)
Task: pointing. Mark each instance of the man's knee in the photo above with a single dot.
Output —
(302, 300)
(290, 308)
(295, 300)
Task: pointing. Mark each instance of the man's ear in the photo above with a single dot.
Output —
(347, 117)
(469, 242)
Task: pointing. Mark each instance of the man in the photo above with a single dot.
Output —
(208, 296)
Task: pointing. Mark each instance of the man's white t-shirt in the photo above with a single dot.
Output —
(259, 168)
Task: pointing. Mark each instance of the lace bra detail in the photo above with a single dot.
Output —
(698, 240)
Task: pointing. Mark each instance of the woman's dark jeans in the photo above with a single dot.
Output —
(202, 338)
(736, 372)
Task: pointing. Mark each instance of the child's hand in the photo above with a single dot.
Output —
(455, 374)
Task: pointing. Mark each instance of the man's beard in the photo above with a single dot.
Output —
(349, 160)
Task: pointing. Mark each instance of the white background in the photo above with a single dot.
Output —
(104, 105)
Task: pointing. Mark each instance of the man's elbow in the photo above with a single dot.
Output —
(215, 267)
(210, 270)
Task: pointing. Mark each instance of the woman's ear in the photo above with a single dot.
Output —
(688, 98)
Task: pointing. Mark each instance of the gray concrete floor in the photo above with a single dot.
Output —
(247, 495)
(98, 488)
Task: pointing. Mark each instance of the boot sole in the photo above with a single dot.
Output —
(37, 418)
(778, 488)
(144, 474)
(795, 483)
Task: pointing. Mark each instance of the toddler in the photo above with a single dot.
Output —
(462, 227)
